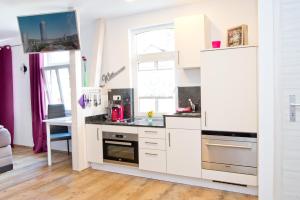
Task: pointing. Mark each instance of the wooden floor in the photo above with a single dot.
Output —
(32, 179)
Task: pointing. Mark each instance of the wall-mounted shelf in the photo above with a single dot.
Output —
(228, 48)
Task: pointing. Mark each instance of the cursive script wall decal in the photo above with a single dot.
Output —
(109, 76)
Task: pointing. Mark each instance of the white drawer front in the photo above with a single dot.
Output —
(150, 143)
(119, 129)
(152, 160)
(183, 123)
(152, 132)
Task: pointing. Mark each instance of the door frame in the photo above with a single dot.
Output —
(267, 99)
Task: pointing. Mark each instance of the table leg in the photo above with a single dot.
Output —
(49, 145)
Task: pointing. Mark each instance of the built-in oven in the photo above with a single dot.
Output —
(121, 148)
(229, 152)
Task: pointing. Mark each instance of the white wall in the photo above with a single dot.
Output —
(22, 104)
(22, 100)
(221, 14)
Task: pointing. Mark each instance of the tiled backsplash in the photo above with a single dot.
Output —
(193, 93)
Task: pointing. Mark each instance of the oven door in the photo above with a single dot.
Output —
(119, 150)
(229, 155)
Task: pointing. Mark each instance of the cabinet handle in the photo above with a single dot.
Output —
(151, 154)
(205, 120)
(169, 137)
(118, 143)
(151, 132)
(228, 146)
(154, 143)
(98, 138)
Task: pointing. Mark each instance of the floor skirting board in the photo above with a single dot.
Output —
(176, 179)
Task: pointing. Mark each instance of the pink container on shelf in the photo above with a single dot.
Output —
(216, 44)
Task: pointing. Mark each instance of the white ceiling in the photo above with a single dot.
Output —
(88, 9)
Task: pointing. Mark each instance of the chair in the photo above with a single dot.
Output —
(58, 133)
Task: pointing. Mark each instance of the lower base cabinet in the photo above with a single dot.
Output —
(152, 149)
(94, 143)
(184, 152)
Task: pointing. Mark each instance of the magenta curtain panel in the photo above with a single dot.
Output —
(37, 103)
(6, 90)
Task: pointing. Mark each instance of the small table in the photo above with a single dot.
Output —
(63, 121)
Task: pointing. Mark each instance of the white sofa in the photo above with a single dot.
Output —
(6, 161)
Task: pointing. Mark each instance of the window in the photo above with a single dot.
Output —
(56, 73)
(154, 69)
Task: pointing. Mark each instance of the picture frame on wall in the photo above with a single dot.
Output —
(237, 36)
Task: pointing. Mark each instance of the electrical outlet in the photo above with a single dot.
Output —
(117, 98)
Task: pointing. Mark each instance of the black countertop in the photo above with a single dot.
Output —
(189, 115)
(100, 119)
(140, 122)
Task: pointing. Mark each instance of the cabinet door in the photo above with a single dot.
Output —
(184, 152)
(94, 143)
(190, 39)
(229, 90)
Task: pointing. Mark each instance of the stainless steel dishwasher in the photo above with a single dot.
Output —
(229, 152)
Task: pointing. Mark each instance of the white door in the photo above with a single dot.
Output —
(94, 143)
(229, 90)
(287, 136)
(184, 152)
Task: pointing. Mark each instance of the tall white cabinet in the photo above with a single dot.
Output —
(229, 89)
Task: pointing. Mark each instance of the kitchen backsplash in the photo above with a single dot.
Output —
(193, 93)
(127, 96)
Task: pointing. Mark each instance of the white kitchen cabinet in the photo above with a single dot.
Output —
(151, 143)
(229, 89)
(152, 160)
(94, 143)
(190, 39)
(152, 132)
(184, 152)
(183, 123)
(152, 149)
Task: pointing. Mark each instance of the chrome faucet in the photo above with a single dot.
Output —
(192, 105)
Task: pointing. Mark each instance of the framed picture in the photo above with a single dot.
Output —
(49, 32)
(237, 36)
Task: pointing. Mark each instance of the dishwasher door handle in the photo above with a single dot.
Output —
(228, 146)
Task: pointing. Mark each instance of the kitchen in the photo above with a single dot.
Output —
(164, 94)
(213, 145)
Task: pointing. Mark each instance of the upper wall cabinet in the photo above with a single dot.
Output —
(190, 39)
(229, 90)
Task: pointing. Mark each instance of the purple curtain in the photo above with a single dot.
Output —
(6, 90)
(37, 103)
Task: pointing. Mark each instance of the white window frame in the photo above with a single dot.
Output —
(56, 69)
(151, 57)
